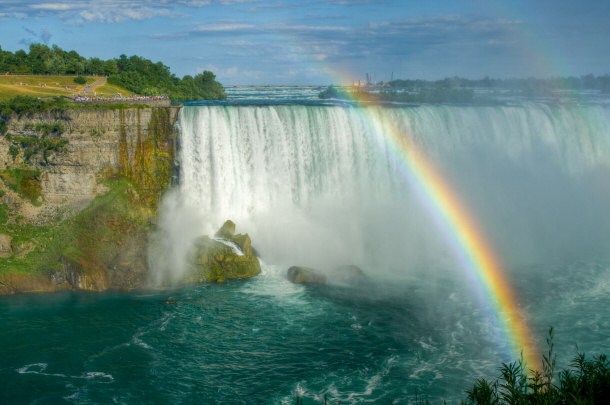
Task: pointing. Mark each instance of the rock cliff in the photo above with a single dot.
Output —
(79, 191)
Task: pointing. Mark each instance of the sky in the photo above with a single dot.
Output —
(326, 41)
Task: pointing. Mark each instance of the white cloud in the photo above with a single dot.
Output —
(223, 27)
(52, 6)
(79, 11)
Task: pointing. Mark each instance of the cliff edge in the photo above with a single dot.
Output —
(79, 191)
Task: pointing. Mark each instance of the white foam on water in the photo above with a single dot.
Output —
(40, 368)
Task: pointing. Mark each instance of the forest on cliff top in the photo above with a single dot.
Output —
(134, 73)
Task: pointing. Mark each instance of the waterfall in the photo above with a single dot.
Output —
(316, 185)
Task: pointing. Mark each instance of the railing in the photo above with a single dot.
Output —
(152, 101)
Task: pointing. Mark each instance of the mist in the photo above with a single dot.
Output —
(315, 186)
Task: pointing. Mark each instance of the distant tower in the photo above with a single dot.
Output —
(392, 77)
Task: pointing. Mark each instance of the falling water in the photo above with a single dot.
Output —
(315, 185)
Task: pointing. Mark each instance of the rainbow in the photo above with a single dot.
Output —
(469, 241)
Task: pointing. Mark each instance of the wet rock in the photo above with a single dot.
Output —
(81, 271)
(305, 275)
(227, 230)
(215, 261)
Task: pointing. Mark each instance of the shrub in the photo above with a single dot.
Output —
(584, 382)
(23, 181)
(13, 150)
(47, 129)
(80, 80)
(25, 104)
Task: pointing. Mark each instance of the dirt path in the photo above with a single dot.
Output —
(90, 88)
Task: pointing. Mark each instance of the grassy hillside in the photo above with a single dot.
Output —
(30, 85)
(136, 74)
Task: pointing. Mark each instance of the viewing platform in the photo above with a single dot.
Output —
(153, 101)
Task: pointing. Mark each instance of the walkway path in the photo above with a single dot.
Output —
(90, 88)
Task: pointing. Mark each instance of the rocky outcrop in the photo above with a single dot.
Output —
(228, 257)
(86, 185)
(227, 230)
(305, 275)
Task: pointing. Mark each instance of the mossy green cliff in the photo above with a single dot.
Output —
(79, 191)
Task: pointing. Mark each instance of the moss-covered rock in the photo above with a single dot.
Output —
(215, 261)
(227, 230)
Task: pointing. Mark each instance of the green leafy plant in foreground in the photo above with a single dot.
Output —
(584, 382)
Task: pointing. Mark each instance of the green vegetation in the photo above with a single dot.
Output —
(24, 105)
(80, 80)
(32, 145)
(24, 181)
(154, 79)
(424, 95)
(39, 85)
(135, 74)
(13, 150)
(584, 382)
(529, 86)
(94, 234)
(458, 90)
(47, 129)
(3, 212)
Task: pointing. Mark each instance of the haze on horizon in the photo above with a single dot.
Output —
(325, 41)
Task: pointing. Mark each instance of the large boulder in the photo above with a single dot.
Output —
(216, 260)
(305, 275)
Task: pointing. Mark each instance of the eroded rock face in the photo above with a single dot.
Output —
(136, 143)
(6, 248)
(213, 261)
(125, 158)
(305, 275)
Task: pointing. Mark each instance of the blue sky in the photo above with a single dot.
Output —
(326, 41)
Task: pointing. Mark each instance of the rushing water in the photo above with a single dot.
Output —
(314, 185)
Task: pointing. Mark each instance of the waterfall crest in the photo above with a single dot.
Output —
(317, 185)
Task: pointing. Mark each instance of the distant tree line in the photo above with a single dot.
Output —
(431, 95)
(529, 86)
(136, 74)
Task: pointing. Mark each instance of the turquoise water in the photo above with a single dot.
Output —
(313, 185)
(265, 340)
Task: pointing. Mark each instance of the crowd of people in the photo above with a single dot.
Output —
(118, 98)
